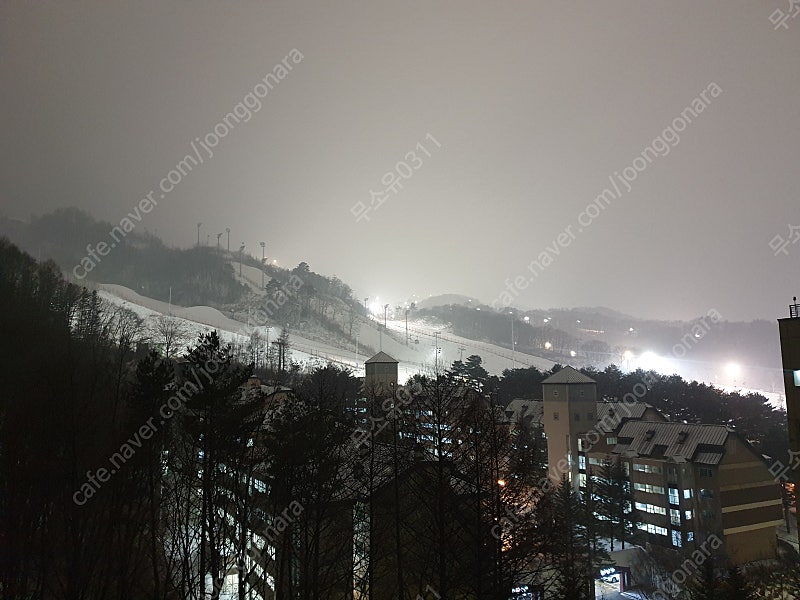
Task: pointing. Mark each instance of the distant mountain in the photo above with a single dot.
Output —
(602, 311)
(324, 307)
(448, 299)
(89, 250)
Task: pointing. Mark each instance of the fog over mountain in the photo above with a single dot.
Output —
(634, 156)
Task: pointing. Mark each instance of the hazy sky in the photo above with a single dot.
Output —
(535, 106)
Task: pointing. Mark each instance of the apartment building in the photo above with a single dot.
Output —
(689, 481)
(789, 330)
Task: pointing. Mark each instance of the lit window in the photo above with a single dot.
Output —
(687, 514)
(674, 516)
(687, 494)
(676, 538)
(650, 508)
(690, 536)
(611, 441)
(674, 497)
(650, 528)
(582, 462)
(797, 378)
(647, 468)
(649, 488)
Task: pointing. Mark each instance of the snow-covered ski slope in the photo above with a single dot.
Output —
(417, 356)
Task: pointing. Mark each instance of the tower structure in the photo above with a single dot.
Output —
(570, 402)
(380, 376)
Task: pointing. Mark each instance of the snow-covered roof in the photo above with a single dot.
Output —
(569, 375)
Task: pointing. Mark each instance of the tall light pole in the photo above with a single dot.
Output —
(263, 244)
(513, 356)
(366, 310)
(219, 235)
(198, 234)
(436, 335)
(241, 255)
(385, 310)
(228, 230)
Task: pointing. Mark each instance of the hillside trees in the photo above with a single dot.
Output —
(220, 422)
(616, 506)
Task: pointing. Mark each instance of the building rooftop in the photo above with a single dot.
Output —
(380, 357)
(679, 442)
(533, 410)
(568, 375)
(527, 410)
(630, 410)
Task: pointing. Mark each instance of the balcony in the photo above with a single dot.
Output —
(794, 310)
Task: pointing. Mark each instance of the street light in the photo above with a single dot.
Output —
(733, 370)
(198, 234)
(228, 230)
(263, 244)
(241, 255)
(219, 235)
(385, 310)
(627, 355)
(513, 356)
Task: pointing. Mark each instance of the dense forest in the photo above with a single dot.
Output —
(128, 473)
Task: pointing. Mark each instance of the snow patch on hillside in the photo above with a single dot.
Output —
(418, 356)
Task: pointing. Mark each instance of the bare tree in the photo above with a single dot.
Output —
(170, 333)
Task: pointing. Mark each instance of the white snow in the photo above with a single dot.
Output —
(418, 356)
(413, 358)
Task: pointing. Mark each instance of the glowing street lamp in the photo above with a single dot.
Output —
(627, 355)
(733, 370)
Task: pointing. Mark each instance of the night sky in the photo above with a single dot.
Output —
(502, 122)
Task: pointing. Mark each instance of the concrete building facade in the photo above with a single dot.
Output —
(690, 482)
(789, 330)
(569, 405)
